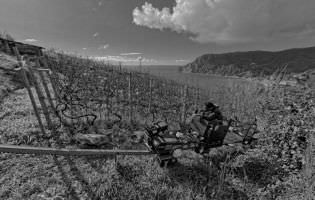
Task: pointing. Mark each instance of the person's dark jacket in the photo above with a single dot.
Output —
(214, 115)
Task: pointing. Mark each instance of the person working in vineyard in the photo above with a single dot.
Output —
(207, 120)
(212, 118)
(212, 114)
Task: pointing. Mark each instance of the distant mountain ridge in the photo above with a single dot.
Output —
(254, 63)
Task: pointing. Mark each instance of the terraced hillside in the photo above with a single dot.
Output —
(273, 169)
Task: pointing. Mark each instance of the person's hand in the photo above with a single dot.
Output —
(179, 134)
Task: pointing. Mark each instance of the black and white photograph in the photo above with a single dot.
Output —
(157, 100)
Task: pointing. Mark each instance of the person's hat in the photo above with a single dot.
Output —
(210, 105)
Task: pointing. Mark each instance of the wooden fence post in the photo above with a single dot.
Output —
(28, 87)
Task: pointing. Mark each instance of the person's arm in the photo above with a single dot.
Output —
(208, 116)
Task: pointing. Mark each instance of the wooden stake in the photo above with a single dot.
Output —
(184, 95)
(150, 98)
(199, 101)
(195, 98)
(130, 97)
(120, 67)
(309, 167)
(107, 99)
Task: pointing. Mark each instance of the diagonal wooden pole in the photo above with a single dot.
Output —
(28, 87)
(41, 98)
(70, 152)
(51, 78)
(45, 84)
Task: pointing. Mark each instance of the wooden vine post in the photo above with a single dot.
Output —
(184, 97)
(150, 97)
(310, 178)
(130, 97)
(115, 94)
(107, 98)
(195, 91)
(28, 87)
(112, 91)
(198, 97)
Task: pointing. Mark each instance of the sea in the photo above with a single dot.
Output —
(203, 81)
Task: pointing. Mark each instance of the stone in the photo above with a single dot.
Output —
(92, 139)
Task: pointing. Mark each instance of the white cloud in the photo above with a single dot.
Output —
(105, 46)
(227, 21)
(123, 59)
(96, 34)
(130, 54)
(100, 3)
(30, 40)
(84, 48)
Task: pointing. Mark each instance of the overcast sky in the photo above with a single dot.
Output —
(160, 31)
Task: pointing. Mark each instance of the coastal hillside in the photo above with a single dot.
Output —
(254, 63)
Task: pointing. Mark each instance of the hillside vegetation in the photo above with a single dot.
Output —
(273, 169)
(254, 63)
